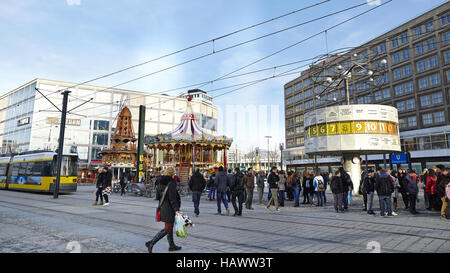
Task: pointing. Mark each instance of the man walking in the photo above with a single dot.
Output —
(230, 177)
(237, 192)
(221, 184)
(249, 188)
(384, 189)
(337, 188)
(260, 185)
(368, 191)
(273, 187)
(197, 184)
(412, 190)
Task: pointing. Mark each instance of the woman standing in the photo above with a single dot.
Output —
(101, 178)
(305, 186)
(170, 201)
(431, 188)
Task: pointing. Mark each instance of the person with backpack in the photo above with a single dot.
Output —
(197, 184)
(337, 188)
(320, 186)
(443, 192)
(273, 180)
(170, 203)
(305, 186)
(384, 188)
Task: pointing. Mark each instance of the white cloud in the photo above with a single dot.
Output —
(73, 2)
(374, 2)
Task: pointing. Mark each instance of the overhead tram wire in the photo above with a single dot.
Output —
(312, 36)
(203, 43)
(233, 46)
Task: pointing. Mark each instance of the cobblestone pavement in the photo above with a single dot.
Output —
(31, 223)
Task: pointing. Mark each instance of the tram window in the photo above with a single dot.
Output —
(3, 168)
(46, 168)
(15, 169)
(28, 168)
(22, 169)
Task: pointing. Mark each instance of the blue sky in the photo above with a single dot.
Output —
(77, 40)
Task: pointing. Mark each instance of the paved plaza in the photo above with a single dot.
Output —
(37, 223)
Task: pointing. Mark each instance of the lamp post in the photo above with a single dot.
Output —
(281, 156)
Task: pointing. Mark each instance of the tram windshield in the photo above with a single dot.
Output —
(69, 165)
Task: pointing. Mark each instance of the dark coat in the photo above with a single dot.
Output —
(197, 182)
(272, 180)
(336, 185)
(221, 182)
(108, 180)
(260, 181)
(172, 200)
(383, 186)
(249, 181)
(238, 183)
(368, 185)
(101, 180)
(412, 185)
(443, 182)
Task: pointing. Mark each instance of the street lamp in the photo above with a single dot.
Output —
(281, 155)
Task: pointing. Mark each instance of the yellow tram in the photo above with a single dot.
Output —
(36, 172)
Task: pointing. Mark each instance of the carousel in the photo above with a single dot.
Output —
(187, 147)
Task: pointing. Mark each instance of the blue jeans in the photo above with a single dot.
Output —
(320, 196)
(350, 197)
(212, 193)
(345, 200)
(385, 205)
(282, 197)
(311, 197)
(221, 197)
(196, 199)
(296, 195)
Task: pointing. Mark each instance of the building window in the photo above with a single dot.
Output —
(368, 99)
(299, 107)
(427, 119)
(382, 47)
(448, 76)
(447, 56)
(379, 96)
(289, 101)
(409, 88)
(360, 100)
(407, 70)
(298, 86)
(421, 65)
(100, 139)
(410, 104)
(397, 73)
(437, 98)
(423, 83)
(398, 89)
(386, 93)
(394, 42)
(417, 31)
(401, 106)
(289, 91)
(432, 62)
(439, 117)
(431, 44)
(404, 37)
(445, 19)
(435, 79)
(419, 48)
(445, 37)
(402, 123)
(405, 54)
(425, 101)
(396, 58)
(428, 26)
(101, 125)
(412, 121)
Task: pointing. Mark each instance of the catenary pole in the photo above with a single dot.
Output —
(60, 144)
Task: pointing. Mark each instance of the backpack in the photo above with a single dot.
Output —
(447, 191)
(320, 185)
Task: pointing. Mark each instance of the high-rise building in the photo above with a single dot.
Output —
(415, 80)
(28, 121)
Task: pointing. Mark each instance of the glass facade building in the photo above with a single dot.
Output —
(28, 121)
(416, 81)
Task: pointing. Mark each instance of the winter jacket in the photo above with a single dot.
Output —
(431, 184)
(238, 183)
(282, 183)
(440, 188)
(210, 183)
(101, 180)
(336, 185)
(249, 181)
(221, 182)
(403, 183)
(297, 181)
(108, 179)
(383, 185)
(368, 185)
(230, 178)
(260, 180)
(172, 200)
(272, 180)
(412, 188)
(197, 182)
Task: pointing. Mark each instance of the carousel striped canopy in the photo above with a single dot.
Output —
(187, 126)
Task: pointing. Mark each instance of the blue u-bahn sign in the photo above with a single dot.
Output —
(399, 158)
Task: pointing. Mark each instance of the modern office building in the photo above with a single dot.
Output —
(415, 80)
(28, 121)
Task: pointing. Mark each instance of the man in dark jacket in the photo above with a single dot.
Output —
(412, 190)
(230, 177)
(368, 189)
(273, 187)
(100, 183)
(107, 185)
(221, 184)
(197, 184)
(384, 189)
(249, 188)
(337, 188)
(260, 185)
(346, 182)
(237, 188)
